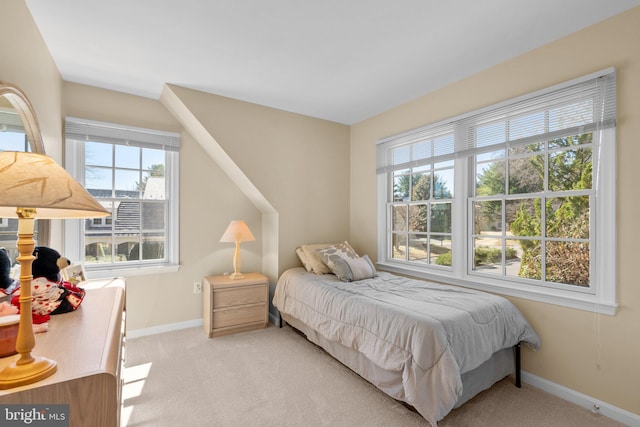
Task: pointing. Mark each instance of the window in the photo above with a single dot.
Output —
(517, 198)
(12, 138)
(133, 173)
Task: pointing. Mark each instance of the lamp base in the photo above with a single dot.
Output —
(234, 276)
(16, 375)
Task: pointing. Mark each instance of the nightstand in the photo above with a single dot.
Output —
(231, 306)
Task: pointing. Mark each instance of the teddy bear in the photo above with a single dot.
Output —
(50, 295)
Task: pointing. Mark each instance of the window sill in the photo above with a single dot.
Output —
(130, 271)
(574, 300)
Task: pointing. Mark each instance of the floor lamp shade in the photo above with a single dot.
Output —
(33, 185)
(237, 232)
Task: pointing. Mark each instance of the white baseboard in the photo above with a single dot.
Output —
(164, 328)
(588, 402)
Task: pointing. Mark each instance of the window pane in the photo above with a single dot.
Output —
(97, 249)
(98, 154)
(399, 218)
(13, 141)
(487, 216)
(124, 246)
(568, 217)
(523, 217)
(127, 157)
(153, 246)
(418, 248)
(570, 170)
(490, 178)
(127, 183)
(421, 186)
(441, 218)
(568, 262)
(127, 215)
(418, 218)
(526, 175)
(98, 179)
(401, 188)
(487, 255)
(530, 259)
(440, 250)
(399, 250)
(443, 184)
(153, 186)
(513, 258)
(153, 216)
(153, 159)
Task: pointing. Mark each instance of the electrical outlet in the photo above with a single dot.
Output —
(197, 287)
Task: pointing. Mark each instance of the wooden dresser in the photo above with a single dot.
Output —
(88, 347)
(231, 306)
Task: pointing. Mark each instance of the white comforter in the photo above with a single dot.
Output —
(430, 333)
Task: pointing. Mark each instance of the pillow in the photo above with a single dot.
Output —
(315, 259)
(352, 269)
(303, 259)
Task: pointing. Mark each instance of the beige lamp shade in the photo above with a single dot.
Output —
(33, 180)
(33, 185)
(237, 231)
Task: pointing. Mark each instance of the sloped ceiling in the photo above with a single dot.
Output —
(343, 61)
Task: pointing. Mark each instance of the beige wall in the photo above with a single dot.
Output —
(594, 355)
(26, 62)
(300, 164)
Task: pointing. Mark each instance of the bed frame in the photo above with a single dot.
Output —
(502, 364)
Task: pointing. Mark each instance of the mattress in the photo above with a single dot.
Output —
(413, 339)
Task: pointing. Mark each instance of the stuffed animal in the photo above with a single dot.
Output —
(48, 263)
(50, 295)
(7, 284)
(5, 270)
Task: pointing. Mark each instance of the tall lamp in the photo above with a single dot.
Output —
(237, 232)
(33, 184)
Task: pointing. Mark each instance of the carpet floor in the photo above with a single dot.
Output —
(275, 377)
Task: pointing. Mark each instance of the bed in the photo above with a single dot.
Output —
(430, 345)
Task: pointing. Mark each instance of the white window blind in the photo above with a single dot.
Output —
(88, 130)
(584, 105)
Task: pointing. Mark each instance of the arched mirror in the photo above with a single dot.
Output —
(19, 131)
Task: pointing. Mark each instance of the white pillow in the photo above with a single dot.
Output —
(303, 259)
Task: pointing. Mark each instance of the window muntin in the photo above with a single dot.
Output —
(536, 197)
(133, 173)
(134, 191)
(12, 138)
(420, 209)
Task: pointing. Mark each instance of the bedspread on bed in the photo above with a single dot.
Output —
(431, 333)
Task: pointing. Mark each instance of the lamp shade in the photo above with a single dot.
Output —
(33, 180)
(237, 231)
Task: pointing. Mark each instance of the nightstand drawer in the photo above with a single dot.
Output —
(239, 316)
(235, 305)
(239, 296)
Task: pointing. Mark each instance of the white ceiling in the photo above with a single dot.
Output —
(340, 60)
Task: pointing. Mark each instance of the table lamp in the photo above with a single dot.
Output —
(237, 232)
(32, 184)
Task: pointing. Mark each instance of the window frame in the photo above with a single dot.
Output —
(74, 243)
(600, 296)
